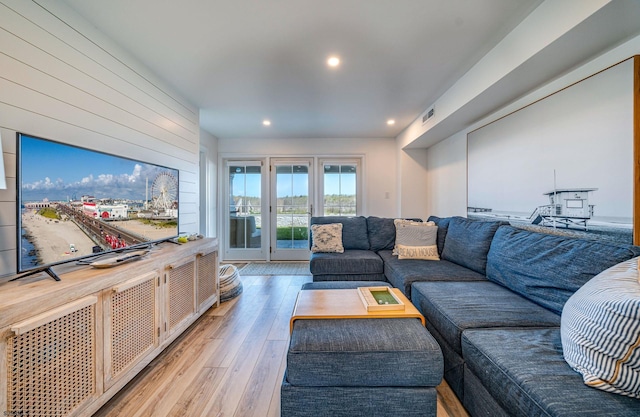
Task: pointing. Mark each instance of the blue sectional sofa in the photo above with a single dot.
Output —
(493, 303)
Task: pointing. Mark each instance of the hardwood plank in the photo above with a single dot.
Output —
(274, 406)
(280, 328)
(226, 399)
(234, 332)
(257, 397)
(171, 390)
(195, 397)
(448, 403)
(156, 391)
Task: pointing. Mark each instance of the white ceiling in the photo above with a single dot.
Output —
(242, 61)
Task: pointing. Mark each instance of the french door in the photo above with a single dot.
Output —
(245, 183)
(290, 207)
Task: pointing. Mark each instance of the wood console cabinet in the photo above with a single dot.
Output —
(67, 347)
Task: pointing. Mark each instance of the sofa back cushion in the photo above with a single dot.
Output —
(548, 269)
(382, 232)
(468, 241)
(443, 226)
(354, 230)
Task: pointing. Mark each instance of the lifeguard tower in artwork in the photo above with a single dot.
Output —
(568, 207)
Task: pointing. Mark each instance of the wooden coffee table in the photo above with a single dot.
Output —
(345, 304)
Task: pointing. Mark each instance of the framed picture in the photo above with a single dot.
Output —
(566, 163)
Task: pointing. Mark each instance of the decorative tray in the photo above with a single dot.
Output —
(379, 299)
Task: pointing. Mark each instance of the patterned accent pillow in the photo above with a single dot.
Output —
(417, 241)
(600, 330)
(400, 223)
(327, 238)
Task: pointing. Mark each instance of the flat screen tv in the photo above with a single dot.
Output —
(73, 203)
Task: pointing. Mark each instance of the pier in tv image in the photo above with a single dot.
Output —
(74, 202)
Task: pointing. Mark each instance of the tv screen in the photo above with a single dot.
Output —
(74, 202)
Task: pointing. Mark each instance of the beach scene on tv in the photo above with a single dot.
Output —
(75, 202)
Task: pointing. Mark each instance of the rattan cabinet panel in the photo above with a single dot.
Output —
(207, 280)
(52, 361)
(131, 324)
(181, 295)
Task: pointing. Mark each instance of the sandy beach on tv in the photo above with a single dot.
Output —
(52, 238)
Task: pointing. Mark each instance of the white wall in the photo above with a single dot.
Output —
(61, 79)
(208, 184)
(380, 172)
(447, 161)
(447, 177)
(412, 178)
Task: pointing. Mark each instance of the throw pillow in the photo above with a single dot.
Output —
(400, 223)
(417, 241)
(600, 330)
(327, 238)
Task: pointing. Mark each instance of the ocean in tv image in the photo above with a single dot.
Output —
(74, 202)
(28, 255)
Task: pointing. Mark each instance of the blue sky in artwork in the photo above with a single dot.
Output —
(59, 172)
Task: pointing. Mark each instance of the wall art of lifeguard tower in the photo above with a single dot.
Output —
(567, 207)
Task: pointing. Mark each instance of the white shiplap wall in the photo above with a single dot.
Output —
(63, 80)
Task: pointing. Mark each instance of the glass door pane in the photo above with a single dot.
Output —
(291, 209)
(244, 221)
(339, 197)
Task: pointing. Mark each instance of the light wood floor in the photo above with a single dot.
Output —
(230, 362)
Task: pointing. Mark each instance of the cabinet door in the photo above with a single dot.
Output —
(208, 283)
(180, 296)
(131, 324)
(52, 361)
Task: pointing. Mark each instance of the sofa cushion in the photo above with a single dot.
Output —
(468, 242)
(404, 272)
(452, 307)
(363, 352)
(354, 230)
(548, 269)
(352, 261)
(524, 371)
(382, 232)
(443, 227)
(600, 330)
(327, 238)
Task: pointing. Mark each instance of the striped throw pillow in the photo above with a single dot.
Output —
(600, 330)
(417, 241)
(402, 223)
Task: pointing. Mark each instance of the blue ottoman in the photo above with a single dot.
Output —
(351, 367)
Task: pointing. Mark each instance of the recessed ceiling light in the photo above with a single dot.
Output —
(391, 122)
(333, 61)
(266, 122)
